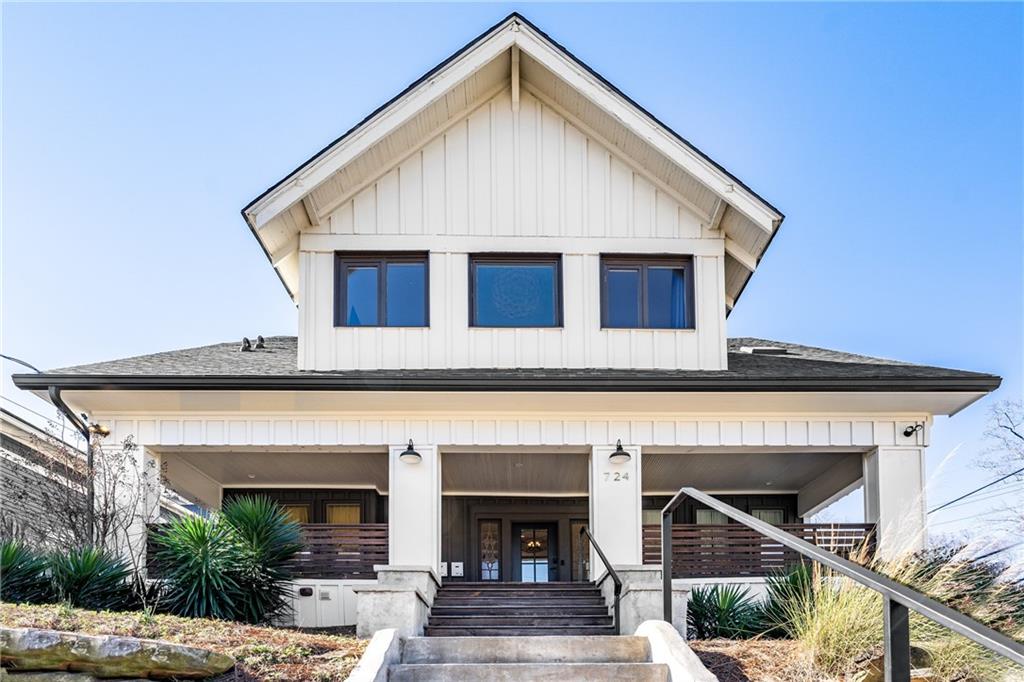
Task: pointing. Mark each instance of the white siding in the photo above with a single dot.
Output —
(530, 181)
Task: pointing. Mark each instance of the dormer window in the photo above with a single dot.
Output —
(646, 292)
(381, 290)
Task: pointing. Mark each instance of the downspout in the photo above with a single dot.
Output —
(84, 430)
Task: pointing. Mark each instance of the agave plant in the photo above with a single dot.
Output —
(198, 559)
(722, 611)
(92, 578)
(268, 539)
(23, 574)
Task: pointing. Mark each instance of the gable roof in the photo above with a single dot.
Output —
(512, 46)
(773, 366)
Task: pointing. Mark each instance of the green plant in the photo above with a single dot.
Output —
(722, 611)
(23, 574)
(197, 556)
(267, 540)
(784, 588)
(91, 578)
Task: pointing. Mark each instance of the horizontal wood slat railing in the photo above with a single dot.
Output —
(341, 551)
(733, 550)
(331, 551)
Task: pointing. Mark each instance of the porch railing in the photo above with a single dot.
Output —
(330, 551)
(341, 551)
(733, 550)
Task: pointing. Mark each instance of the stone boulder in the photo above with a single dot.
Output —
(106, 656)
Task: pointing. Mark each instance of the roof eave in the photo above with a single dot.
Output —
(489, 384)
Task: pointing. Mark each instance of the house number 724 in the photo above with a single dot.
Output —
(617, 476)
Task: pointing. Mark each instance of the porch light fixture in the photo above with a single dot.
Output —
(410, 456)
(620, 456)
(911, 430)
(99, 430)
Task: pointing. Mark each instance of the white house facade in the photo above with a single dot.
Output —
(513, 286)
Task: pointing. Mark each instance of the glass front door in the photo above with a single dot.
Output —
(535, 550)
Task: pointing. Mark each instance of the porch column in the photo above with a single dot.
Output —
(414, 508)
(894, 498)
(615, 507)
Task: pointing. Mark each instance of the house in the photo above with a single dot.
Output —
(513, 286)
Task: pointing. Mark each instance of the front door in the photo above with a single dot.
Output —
(535, 552)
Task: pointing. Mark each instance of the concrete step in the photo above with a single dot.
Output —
(515, 672)
(497, 649)
(518, 620)
(518, 609)
(515, 631)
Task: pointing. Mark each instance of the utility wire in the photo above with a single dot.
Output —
(1016, 488)
(977, 490)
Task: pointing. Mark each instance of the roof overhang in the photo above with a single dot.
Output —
(579, 399)
(513, 47)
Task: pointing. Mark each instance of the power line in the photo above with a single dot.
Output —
(1016, 488)
(978, 490)
(967, 518)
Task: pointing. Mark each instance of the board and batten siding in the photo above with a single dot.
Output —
(526, 181)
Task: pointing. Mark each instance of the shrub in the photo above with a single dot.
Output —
(795, 585)
(268, 539)
(721, 611)
(92, 578)
(23, 574)
(197, 557)
(233, 566)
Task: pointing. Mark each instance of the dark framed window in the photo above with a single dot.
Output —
(522, 290)
(381, 290)
(490, 549)
(646, 292)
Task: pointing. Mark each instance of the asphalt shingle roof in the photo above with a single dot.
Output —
(797, 367)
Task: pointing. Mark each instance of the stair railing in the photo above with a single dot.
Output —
(611, 572)
(897, 598)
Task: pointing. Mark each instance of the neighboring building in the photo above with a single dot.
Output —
(511, 268)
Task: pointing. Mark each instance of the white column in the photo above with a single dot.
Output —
(414, 508)
(894, 498)
(615, 508)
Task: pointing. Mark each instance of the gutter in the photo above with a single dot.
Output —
(449, 381)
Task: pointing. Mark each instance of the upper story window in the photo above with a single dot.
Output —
(521, 290)
(381, 290)
(646, 292)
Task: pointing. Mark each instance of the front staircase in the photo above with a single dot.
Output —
(518, 659)
(518, 610)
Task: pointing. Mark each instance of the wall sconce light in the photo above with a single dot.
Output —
(410, 456)
(99, 430)
(620, 456)
(911, 430)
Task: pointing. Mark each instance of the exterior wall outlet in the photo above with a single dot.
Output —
(325, 595)
(456, 569)
(444, 569)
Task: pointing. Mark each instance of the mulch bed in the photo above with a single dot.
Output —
(753, 660)
(262, 653)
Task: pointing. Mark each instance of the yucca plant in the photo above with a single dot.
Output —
(92, 578)
(268, 539)
(722, 611)
(198, 558)
(23, 574)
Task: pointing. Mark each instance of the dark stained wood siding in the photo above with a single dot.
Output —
(687, 511)
(373, 505)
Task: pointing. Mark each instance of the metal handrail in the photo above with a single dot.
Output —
(611, 571)
(897, 598)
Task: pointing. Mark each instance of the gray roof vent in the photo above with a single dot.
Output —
(259, 343)
(246, 345)
(764, 350)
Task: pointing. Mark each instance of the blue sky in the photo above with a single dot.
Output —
(890, 135)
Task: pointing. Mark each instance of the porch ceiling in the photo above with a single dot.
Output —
(514, 473)
(277, 468)
(665, 473)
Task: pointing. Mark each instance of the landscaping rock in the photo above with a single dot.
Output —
(53, 677)
(105, 656)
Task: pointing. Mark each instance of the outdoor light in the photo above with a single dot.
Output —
(620, 456)
(99, 430)
(410, 456)
(911, 430)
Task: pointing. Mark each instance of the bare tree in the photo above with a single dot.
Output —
(1005, 454)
